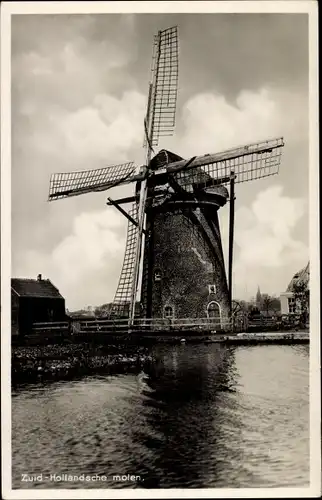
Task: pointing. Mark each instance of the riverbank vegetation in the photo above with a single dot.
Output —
(52, 362)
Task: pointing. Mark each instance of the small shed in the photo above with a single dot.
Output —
(34, 301)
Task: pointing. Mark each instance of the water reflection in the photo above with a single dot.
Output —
(200, 416)
(181, 420)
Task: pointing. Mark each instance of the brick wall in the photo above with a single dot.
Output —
(185, 264)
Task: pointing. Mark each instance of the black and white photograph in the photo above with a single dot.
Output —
(159, 249)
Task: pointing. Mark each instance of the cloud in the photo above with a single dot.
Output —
(266, 252)
(85, 265)
(105, 131)
(211, 123)
(75, 107)
(264, 230)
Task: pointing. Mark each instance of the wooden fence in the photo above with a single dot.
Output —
(59, 327)
(121, 326)
(84, 326)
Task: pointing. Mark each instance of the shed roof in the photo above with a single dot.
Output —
(35, 288)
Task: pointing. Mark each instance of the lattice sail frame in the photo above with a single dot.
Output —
(248, 163)
(163, 89)
(66, 184)
(122, 298)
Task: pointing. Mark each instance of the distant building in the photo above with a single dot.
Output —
(289, 304)
(258, 298)
(34, 301)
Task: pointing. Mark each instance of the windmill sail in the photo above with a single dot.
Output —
(248, 163)
(122, 299)
(161, 111)
(159, 121)
(64, 185)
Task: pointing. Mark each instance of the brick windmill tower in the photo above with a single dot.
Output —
(174, 263)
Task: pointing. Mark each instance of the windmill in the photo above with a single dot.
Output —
(173, 247)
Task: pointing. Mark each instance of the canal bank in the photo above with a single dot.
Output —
(66, 359)
(31, 364)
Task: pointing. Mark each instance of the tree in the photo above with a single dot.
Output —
(253, 312)
(266, 303)
(244, 305)
(103, 310)
(239, 314)
(270, 304)
(276, 304)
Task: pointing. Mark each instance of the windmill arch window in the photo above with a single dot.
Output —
(214, 311)
(168, 312)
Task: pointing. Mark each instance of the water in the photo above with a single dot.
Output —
(202, 416)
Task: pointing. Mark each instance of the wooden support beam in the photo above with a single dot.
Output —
(121, 201)
(123, 212)
(231, 235)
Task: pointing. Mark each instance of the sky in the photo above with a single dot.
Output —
(79, 93)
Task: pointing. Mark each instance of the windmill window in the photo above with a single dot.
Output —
(213, 311)
(168, 312)
(157, 275)
(209, 267)
(212, 289)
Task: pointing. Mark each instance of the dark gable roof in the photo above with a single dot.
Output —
(35, 288)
